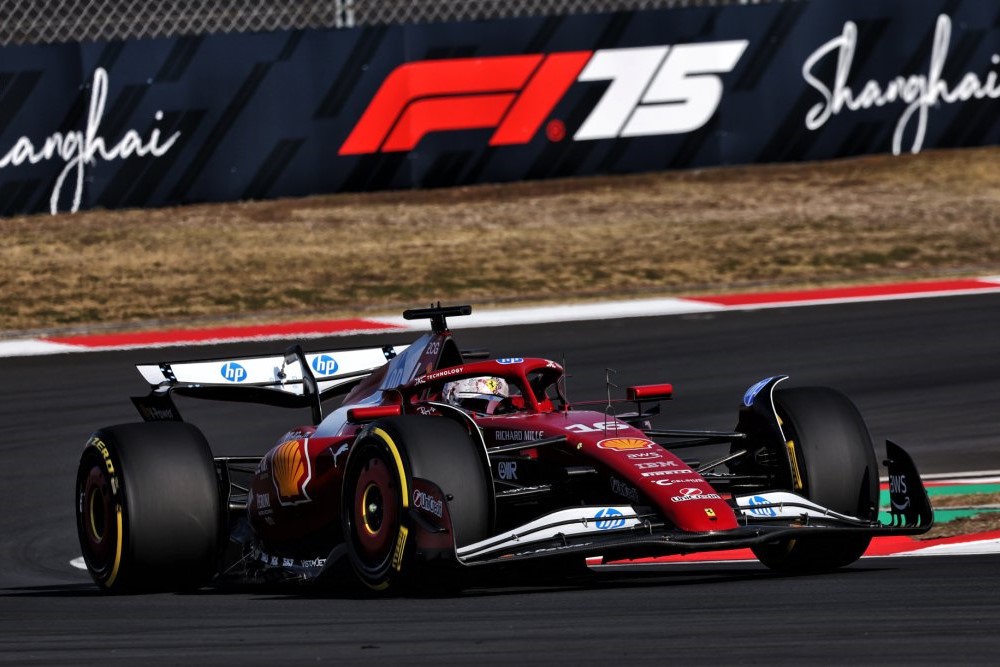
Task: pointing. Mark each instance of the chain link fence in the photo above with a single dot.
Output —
(52, 21)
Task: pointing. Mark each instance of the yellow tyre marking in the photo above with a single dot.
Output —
(399, 464)
(118, 550)
(793, 459)
(398, 550)
(397, 555)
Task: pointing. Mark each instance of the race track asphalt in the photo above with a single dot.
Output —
(924, 372)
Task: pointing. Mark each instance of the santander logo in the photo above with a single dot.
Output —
(652, 90)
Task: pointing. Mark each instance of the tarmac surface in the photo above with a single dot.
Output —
(924, 372)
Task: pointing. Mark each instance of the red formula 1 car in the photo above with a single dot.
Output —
(439, 462)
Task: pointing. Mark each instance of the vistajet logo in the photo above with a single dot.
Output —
(653, 90)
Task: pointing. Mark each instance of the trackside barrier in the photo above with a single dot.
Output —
(153, 122)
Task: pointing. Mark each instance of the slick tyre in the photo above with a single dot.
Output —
(148, 511)
(379, 488)
(834, 465)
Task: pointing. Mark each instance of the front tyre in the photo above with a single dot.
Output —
(833, 464)
(148, 507)
(379, 486)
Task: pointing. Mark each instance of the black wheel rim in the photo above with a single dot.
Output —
(98, 520)
(375, 514)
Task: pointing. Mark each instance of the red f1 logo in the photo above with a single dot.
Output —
(511, 93)
(653, 90)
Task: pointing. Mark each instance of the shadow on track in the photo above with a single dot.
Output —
(55, 591)
(508, 584)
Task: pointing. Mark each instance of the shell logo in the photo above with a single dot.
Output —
(291, 471)
(625, 444)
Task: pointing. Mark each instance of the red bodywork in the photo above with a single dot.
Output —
(296, 491)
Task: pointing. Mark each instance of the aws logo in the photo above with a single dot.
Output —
(653, 90)
(291, 471)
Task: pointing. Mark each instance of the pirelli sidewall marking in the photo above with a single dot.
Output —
(116, 489)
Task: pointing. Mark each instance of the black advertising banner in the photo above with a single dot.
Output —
(253, 116)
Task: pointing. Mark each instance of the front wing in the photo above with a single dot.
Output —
(651, 539)
(634, 532)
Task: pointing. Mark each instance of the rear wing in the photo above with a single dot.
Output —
(294, 379)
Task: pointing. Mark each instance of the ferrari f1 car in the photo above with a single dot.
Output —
(439, 461)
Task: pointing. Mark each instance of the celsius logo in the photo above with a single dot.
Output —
(652, 90)
(325, 364)
(608, 518)
(233, 372)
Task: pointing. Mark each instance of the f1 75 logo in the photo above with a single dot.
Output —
(653, 90)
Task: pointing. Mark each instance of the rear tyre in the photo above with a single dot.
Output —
(378, 493)
(834, 465)
(148, 509)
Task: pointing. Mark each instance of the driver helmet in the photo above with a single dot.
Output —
(478, 394)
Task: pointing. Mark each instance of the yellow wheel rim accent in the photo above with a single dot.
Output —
(399, 464)
(365, 519)
(118, 550)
